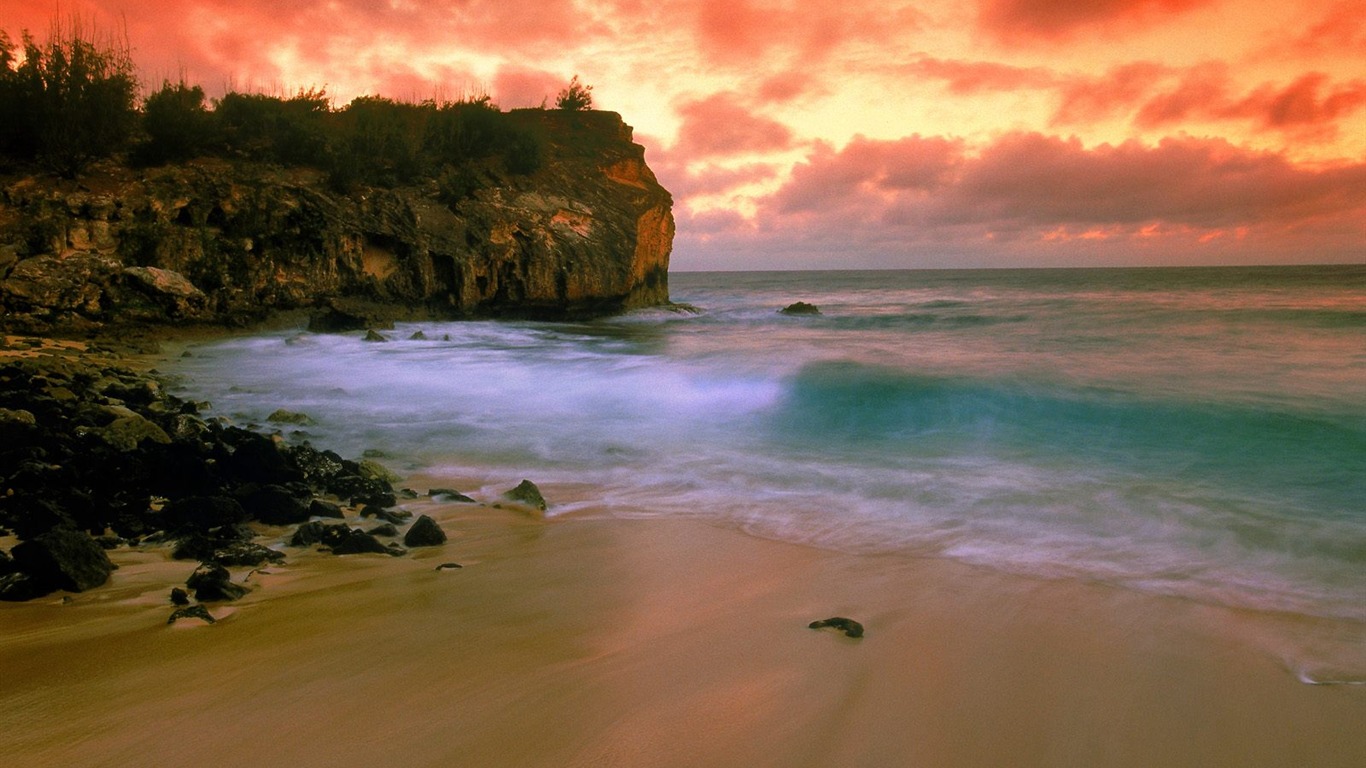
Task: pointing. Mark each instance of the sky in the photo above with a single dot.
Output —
(870, 134)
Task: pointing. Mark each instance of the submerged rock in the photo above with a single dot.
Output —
(447, 494)
(847, 626)
(424, 533)
(799, 308)
(192, 612)
(282, 416)
(373, 335)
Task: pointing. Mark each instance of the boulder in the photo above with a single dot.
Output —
(424, 533)
(212, 582)
(374, 470)
(176, 294)
(526, 493)
(277, 505)
(203, 512)
(324, 508)
(126, 433)
(358, 542)
(373, 335)
(318, 532)
(388, 529)
(64, 558)
(18, 587)
(179, 596)
(202, 544)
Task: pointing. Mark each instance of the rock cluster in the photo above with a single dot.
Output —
(94, 455)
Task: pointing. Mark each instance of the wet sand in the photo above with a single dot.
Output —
(593, 642)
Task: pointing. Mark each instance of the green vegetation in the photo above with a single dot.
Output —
(576, 97)
(70, 101)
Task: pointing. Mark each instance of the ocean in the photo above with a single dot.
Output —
(1191, 432)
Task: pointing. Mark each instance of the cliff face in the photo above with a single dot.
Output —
(213, 240)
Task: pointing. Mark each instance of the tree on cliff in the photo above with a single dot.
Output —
(576, 97)
(69, 102)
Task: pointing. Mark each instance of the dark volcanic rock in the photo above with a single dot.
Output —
(847, 626)
(246, 554)
(340, 538)
(526, 493)
(203, 512)
(212, 582)
(358, 542)
(202, 545)
(388, 529)
(800, 308)
(18, 587)
(192, 612)
(64, 558)
(394, 516)
(256, 458)
(180, 596)
(447, 494)
(278, 505)
(318, 532)
(324, 508)
(424, 533)
(449, 567)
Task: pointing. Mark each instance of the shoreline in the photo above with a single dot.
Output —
(591, 640)
(650, 642)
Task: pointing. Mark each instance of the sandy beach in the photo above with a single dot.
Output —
(598, 642)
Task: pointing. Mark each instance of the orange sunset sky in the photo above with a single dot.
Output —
(936, 133)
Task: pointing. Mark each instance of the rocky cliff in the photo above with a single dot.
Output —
(230, 241)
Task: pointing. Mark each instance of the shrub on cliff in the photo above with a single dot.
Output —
(177, 123)
(377, 141)
(289, 131)
(70, 102)
(577, 97)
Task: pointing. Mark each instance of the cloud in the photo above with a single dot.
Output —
(1041, 197)
(866, 173)
(517, 86)
(1311, 104)
(365, 44)
(1021, 20)
(969, 77)
(1088, 99)
(719, 125)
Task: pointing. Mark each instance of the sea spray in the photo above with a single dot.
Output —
(1195, 432)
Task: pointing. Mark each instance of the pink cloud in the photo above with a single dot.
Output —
(1038, 197)
(516, 86)
(719, 125)
(1021, 20)
(968, 77)
(1310, 105)
(1083, 100)
(865, 172)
